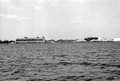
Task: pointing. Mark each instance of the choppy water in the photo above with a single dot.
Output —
(60, 62)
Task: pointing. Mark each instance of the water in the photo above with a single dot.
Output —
(60, 62)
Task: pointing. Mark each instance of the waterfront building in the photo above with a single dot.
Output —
(116, 39)
(30, 40)
(50, 41)
(66, 41)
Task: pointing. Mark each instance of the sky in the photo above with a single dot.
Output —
(59, 19)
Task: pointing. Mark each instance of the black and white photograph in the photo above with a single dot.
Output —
(59, 40)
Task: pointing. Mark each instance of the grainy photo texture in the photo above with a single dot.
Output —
(59, 40)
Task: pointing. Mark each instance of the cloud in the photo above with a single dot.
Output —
(22, 18)
(25, 2)
(81, 1)
(11, 16)
(5, 1)
(74, 21)
(20, 4)
(80, 21)
(40, 1)
(75, 0)
(1, 15)
(38, 7)
(14, 8)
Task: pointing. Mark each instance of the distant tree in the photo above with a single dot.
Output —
(37, 37)
(5, 41)
(25, 37)
(0, 41)
(90, 38)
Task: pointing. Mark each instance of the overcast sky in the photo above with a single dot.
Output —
(59, 19)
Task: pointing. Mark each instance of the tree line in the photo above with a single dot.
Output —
(6, 41)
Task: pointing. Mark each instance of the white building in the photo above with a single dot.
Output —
(30, 40)
(116, 39)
